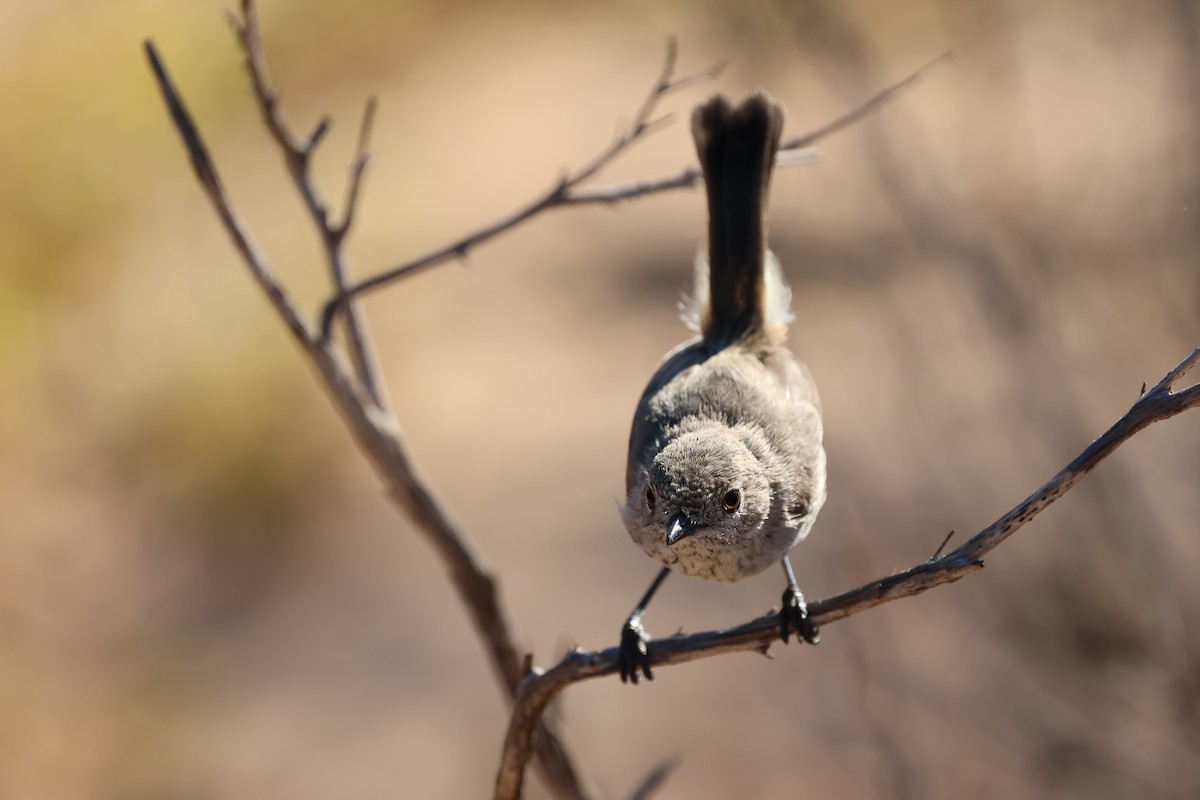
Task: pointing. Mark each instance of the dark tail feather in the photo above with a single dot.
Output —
(737, 149)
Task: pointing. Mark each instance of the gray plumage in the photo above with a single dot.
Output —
(726, 468)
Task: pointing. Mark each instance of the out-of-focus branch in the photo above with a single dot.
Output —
(561, 193)
(568, 192)
(376, 431)
(539, 688)
(297, 155)
(870, 106)
(357, 392)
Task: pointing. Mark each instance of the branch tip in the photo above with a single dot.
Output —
(863, 109)
(669, 60)
(317, 135)
(1167, 384)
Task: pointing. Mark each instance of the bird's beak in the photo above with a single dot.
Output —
(678, 526)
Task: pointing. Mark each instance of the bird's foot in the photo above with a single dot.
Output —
(634, 655)
(794, 616)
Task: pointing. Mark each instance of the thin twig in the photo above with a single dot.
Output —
(558, 194)
(362, 157)
(210, 181)
(942, 546)
(870, 106)
(379, 436)
(686, 178)
(656, 778)
(297, 155)
(567, 191)
(538, 688)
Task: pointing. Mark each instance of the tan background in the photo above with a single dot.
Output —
(203, 593)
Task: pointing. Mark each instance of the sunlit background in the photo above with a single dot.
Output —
(204, 594)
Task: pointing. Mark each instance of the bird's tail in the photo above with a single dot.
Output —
(737, 147)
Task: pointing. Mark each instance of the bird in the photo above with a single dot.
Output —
(727, 469)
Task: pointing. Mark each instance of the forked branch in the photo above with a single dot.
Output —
(568, 190)
(373, 427)
(561, 193)
(297, 155)
(357, 392)
(539, 688)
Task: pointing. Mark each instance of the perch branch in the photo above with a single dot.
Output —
(567, 191)
(539, 688)
(379, 436)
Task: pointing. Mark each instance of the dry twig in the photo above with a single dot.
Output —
(539, 688)
(357, 392)
(562, 193)
(297, 155)
(375, 430)
(567, 191)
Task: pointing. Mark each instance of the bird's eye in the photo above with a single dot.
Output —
(650, 497)
(732, 500)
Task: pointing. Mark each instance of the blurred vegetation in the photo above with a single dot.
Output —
(204, 594)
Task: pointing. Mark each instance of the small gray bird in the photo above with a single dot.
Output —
(726, 469)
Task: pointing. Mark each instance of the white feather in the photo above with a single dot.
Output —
(777, 296)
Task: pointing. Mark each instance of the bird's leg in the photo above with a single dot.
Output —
(794, 613)
(634, 637)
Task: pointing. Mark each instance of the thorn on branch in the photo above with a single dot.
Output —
(937, 553)
(317, 135)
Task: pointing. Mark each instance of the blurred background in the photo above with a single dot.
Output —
(203, 592)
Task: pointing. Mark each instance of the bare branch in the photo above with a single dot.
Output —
(297, 156)
(656, 778)
(686, 178)
(379, 436)
(559, 194)
(210, 181)
(942, 546)
(362, 157)
(538, 688)
(864, 109)
(360, 402)
(567, 192)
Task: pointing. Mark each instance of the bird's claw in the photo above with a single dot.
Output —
(634, 654)
(794, 616)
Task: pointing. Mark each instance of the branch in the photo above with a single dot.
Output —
(360, 402)
(561, 193)
(566, 191)
(870, 106)
(539, 688)
(375, 430)
(656, 778)
(297, 155)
